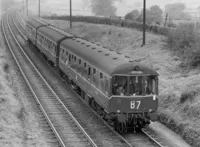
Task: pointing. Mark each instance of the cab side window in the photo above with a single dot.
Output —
(101, 79)
(94, 76)
(106, 85)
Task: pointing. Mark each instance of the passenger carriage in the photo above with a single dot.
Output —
(122, 91)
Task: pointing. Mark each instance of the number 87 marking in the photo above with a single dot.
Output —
(135, 104)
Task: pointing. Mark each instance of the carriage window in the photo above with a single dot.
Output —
(120, 85)
(94, 70)
(74, 58)
(102, 82)
(101, 75)
(135, 85)
(150, 85)
(85, 64)
(106, 85)
(89, 71)
(79, 61)
(66, 52)
(94, 77)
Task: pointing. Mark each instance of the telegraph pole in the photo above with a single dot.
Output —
(166, 19)
(39, 9)
(70, 13)
(26, 7)
(144, 22)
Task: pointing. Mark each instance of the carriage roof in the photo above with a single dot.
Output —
(33, 23)
(106, 60)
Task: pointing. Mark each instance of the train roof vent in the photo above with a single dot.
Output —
(88, 45)
(111, 50)
(127, 56)
(98, 44)
(119, 53)
(106, 54)
(99, 51)
(115, 58)
(77, 40)
(131, 61)
(93, 48)
(82, 43)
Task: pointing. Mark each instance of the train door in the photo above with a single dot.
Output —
(70, 58)
(89, 73)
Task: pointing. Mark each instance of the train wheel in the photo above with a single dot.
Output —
(121, 127)
(94, 104)
(83, 94)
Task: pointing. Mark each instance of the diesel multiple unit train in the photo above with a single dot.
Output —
(121, 90)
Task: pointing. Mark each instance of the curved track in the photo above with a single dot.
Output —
(63, 124)
(141, 139)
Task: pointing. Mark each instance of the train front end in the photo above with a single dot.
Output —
(134, 100)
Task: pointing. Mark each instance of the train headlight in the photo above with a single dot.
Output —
(118, 111)
(154, 97)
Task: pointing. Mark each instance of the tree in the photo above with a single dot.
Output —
(198, 8)
(155, 15)
(133, 15)
(176, 11)
(103, 7)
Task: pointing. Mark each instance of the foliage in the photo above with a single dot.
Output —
(187, 95)
(176, 11)
(116, 22)
(185, 40)
(153, 15)
(103, 7)
(133, 15)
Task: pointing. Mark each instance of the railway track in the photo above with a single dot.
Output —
(63, 124)
(142, 139)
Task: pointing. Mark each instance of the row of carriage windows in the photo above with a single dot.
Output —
(42, 41)
(46, 43)
(95, 77)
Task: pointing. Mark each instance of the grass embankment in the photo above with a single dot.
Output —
(179, 106)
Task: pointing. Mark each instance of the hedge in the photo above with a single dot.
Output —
(116, 22)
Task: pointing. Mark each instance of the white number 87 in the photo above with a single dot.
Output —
(135, 104)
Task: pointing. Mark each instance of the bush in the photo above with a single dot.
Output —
(116, 22)
(185, 40)
(6, 67)
(187, 96)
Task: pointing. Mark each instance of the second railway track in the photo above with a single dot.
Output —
(133, 139)
(66, 128)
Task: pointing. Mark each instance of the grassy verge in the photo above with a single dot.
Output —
(179, 106)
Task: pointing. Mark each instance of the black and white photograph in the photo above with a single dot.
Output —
(99, 73)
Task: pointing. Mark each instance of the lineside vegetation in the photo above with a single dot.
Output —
(185, 41)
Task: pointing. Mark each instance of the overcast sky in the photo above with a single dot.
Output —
(122, 7)
(161, 3)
